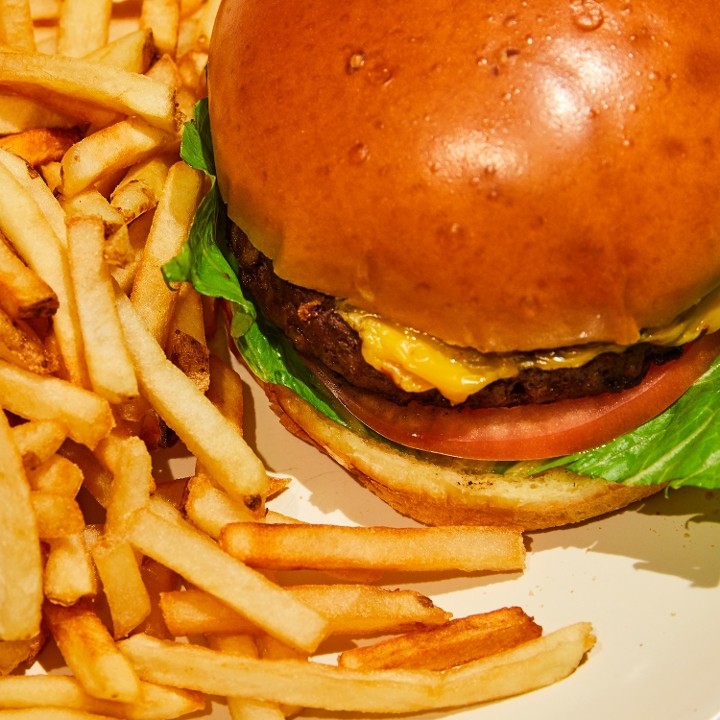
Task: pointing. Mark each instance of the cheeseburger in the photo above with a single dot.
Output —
(477, 244)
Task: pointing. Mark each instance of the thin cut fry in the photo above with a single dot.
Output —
(83, 26)
(39, 146)
(20, 565)
(90, 82)
(530, 666)
(297, 546)
(208, 435)
(192, 555)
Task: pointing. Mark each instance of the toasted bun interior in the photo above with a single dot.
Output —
(448, 491)
(504, 176)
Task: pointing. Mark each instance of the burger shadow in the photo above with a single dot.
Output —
(673, 534)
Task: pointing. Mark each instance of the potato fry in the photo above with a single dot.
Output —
(113, 148)
(83, 26)
(56, 515)
(19, 344)
(194, 556)
(16, 27)
(152, 298)
(456, 642)
(58, 476)
(133, 52)
(124, 589)
(355, 610)
(31, 234)
(310, 684)
(158, 579)
(47, 691)
(86, 416)
(37, 441)
(108, 361)
(206, 433)
(90, 652)
(23, 293)
(163, 18)
(51, 713)
(69, 571)
(17, 653)
(39, 146)
(90, 82)
(302, 546)
(140, 189)
(210, 508)
(20, 563)
(18, 113)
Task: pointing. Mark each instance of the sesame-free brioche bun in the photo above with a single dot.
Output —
(505, 176)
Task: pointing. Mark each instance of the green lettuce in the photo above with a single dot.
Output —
(679, 447)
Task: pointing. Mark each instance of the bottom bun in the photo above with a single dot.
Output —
(451, 491)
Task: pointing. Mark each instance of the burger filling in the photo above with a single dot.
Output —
(355, 346)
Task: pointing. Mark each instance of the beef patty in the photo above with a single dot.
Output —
(311, 323)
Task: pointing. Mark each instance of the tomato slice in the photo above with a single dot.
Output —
(531, 432)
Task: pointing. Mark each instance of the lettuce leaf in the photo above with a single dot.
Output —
(679, 447)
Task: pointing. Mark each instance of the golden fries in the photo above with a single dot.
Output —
(107, 556)
(300, 546)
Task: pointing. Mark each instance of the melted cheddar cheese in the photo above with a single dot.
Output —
(417, 361)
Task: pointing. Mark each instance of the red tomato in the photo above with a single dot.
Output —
(533, 431)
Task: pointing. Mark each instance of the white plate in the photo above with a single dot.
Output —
(648, 579)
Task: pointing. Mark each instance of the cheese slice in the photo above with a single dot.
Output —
(418, 362)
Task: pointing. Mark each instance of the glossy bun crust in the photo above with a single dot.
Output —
(502, 175)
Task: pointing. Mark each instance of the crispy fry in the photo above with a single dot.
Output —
(19, 344)
(41, 145)
(89, 651)
(180, 547)
(153, 300)
(38, 440)
(57, 476)
(309, 684)
(16, 27)
(206, 433)
(133, 52)
(69, 570)
(90, 82)
(44, 692)
(355, 610)
(83, 26)
(295, 546)
(140, 189)
(20, 565)
(163, 18)
(23, 293)
(108, 361)
(444, 646)
(56, 515)
(86, 416)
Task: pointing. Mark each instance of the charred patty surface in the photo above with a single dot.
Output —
(310, 322)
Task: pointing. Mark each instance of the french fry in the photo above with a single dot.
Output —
(69, 571)
(83, 26)
(158, 580)
(16, 27)
(23, 293)
(163, 18)
(112, 148)
(192, 555)
(206, 433)
(90, 82)
(133, 52)
(51, 713)
(354, 610)
(56, 515)
(153, 300)
(31, 234)
(302, 546)
(86, 416)
(43, 692)
(20, 563)
(456, 642)
(140, 189)
(529, 666)
(211, 508)
(122, 583)
(37, 441)
(39, 146)
(18, 113)
(19, 344)
(57, 475)
(106, 356)
(15, 654)
(90, 652)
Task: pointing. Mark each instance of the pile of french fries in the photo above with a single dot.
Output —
(160, 594)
